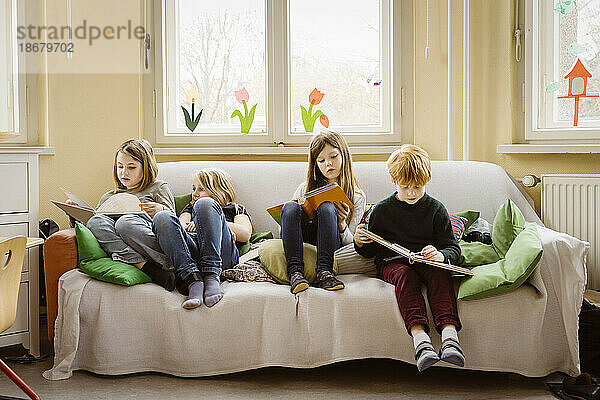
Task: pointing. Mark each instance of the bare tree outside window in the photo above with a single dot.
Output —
(222, 49)
(336, 49)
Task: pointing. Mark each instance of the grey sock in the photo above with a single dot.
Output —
(212, 289)
(196, 295)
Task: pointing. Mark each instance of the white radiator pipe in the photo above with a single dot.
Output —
(466, 80)
(450, 73)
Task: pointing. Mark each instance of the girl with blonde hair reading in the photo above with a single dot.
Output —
(203, 241)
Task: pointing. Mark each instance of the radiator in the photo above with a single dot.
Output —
(571, 204)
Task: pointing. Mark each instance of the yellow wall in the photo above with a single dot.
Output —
(89, 115)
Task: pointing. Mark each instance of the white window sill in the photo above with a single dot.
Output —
(41, 150)
(548, 148)
(286, 150)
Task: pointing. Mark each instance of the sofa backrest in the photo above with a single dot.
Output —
(460, 185)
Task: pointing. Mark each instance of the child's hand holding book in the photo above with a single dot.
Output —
(189, 226)
(151, 208)
(360, 238)
(343, 210)
(431, 253)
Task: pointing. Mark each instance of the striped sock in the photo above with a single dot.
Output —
(449, 332)
(424, 352)
(451, 351)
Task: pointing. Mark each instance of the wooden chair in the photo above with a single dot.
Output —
(13, 250)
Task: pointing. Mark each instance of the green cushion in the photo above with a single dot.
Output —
(470, 215)
(272, 258)
(255, 237)
(93, 261)
(507, 274)
(181, 202)
(476, 253)
(508, 223)
(88, 248)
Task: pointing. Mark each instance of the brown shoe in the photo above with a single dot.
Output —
(326, 280)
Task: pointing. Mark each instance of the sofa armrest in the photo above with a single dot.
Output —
(60, 256)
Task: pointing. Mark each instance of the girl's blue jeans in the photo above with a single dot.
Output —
(322, 231)
(209, 250)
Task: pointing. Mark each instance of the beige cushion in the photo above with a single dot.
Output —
(347, 261)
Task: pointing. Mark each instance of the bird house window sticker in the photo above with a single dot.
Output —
(578, 79)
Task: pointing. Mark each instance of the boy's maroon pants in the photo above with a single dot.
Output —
(407, 280)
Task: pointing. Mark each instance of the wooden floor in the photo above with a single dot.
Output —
(363, 379)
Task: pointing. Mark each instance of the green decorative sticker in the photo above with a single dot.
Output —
(565, 7)
(191, 121)
(576, 48)
(553, 87)
(247, 119)
(308, 118)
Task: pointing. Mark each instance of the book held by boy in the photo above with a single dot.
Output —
(415, 257)
(313, 199)
(115, 206)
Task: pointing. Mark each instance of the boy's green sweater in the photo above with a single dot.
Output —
(413, 226)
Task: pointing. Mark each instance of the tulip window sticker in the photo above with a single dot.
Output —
(308, 118)
(577, 86)
(247, 119)
(191, 121)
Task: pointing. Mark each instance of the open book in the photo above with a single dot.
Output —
(116, 205)
(412, 256)
(313, 199)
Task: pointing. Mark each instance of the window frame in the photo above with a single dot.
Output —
(534, 89)
(22, 80)
(278, 129)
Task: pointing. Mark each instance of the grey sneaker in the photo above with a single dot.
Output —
(326, 280)
(298, 282)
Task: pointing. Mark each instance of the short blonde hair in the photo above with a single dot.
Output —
(217, 183)
(410, 165)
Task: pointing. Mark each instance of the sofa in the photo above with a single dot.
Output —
(111, 329)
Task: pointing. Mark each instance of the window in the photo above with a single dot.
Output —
(218, 48)
(563, 50)
(346, 60)
(13, 74)
(252, 65)
(9, 109)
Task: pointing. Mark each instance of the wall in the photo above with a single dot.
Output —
(90, 110)
(89, 115)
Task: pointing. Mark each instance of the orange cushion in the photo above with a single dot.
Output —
(60, 256)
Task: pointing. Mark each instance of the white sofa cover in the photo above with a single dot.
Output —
(109, 329)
